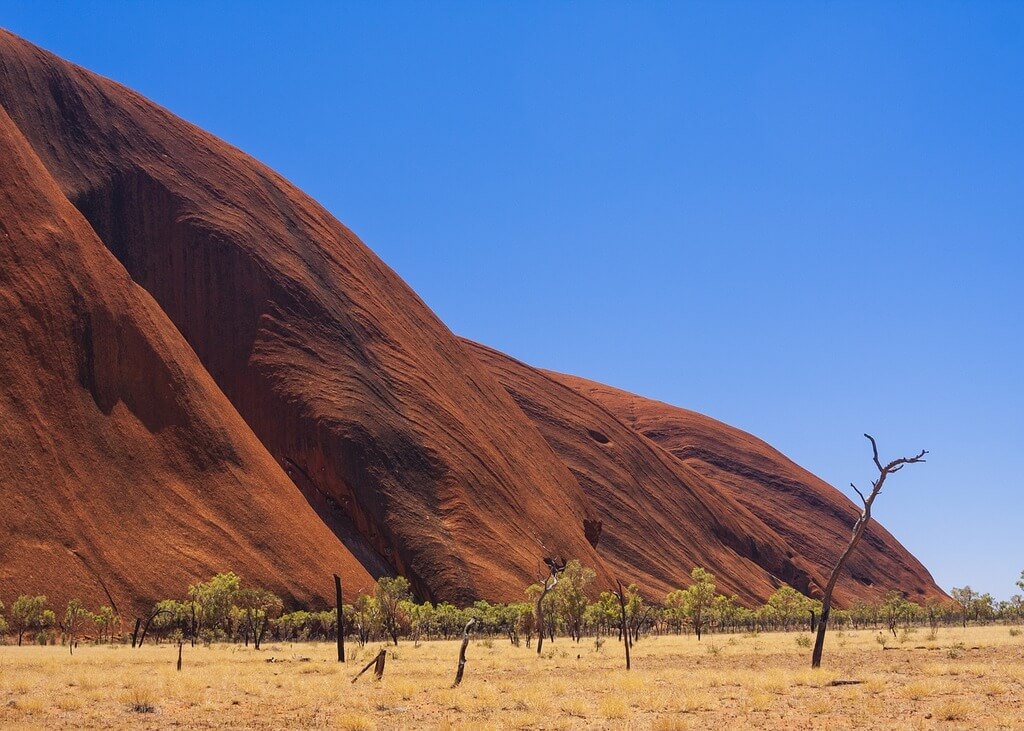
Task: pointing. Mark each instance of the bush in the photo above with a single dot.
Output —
(140, 700)
(803, 640)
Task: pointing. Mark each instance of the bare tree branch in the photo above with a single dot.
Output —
(556, 568)
(874, 451)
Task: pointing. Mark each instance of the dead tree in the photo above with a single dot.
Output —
(376, 663)
(180, 643)
(340, 619)
(858, 532)
(462, 652)
(623, 629)
(550, 582)
(145, 628)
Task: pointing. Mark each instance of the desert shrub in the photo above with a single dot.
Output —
(140, 700)
(953, 710)
(803, 640)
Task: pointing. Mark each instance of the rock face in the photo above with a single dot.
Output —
(659, 517)
(204, 371)
(812, 517)
(351, 382)
(124, 471)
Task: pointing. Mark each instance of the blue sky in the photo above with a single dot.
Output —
(805, 220)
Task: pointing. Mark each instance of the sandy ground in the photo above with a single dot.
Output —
(961, 679)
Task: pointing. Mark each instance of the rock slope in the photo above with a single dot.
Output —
(125, 473)
(205, 370)
(810, 515)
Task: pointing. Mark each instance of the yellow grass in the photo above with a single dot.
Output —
(749, 682)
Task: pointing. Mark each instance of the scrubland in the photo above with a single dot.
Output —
(971, 678)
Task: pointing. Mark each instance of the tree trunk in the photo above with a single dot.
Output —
(540, 615)
(623, 629)
(462, 653)
(858, 532)
(340, 620)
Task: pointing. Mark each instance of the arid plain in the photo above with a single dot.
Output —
(970, 678)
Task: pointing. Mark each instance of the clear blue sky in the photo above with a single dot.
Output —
(805, 220)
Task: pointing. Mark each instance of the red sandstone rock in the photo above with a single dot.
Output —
(812, 517)
(124, 472)
(348, 379)
(659, 517)
(184, 331)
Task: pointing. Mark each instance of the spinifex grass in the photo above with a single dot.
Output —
(761, 681)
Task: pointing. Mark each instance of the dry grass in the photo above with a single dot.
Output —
(749, 682)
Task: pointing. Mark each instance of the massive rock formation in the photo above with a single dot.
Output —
(350, 381)
(659, 518)
(205, 370)
(124, 472)
(814, 518)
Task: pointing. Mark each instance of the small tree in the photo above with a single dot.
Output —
(698, 599)
(46, 625)
(786, 606)
(725, 610)
(75, 617)
(212, 601)
(571, 596)
(257, 607)
(895, 607)
(675, 608)
(27, 615)
(170, 619)
(1020, 581)
(636, 612)
(858, 532)
(964, 597)
(984, 607)
(933, 613)
(390, 593)
(555, 569)
(3, 622)
(105, 620)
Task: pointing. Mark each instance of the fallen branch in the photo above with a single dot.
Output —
(376, 663)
